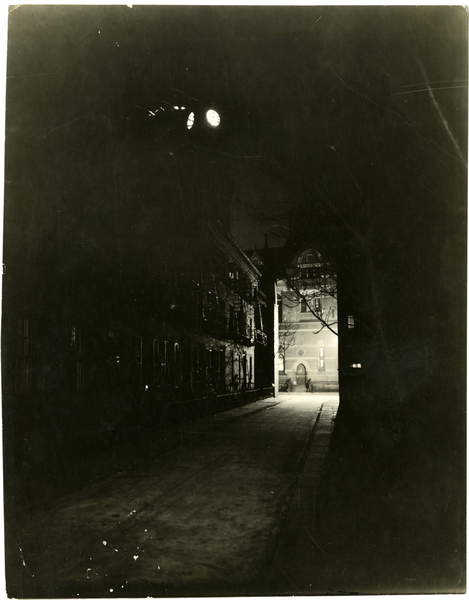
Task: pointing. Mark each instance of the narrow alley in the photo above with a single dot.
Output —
(216, 219)
(209, 517)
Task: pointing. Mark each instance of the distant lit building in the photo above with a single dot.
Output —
(307, 357)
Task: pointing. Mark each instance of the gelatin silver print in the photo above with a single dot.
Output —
(234, 300)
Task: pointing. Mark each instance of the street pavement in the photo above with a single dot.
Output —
(217, 515)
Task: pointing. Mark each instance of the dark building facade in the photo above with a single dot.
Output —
(189, 330)
(126, 302)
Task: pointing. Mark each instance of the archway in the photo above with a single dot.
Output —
(300, 378)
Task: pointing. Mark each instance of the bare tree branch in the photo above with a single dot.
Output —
(319, 317)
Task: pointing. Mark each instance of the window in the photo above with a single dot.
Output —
(232, 322)
(232, 368)
(322, 359)
(177, 364)
(23, 373)
(164, 360)
(350, 322)
(317, 306)
(196, 365)
(23, 333)
(282, 362)
(306, 259)
(303, 305)
(221, 368)
(156, 360)
(78, 370)
(138, 361)
(138, 350)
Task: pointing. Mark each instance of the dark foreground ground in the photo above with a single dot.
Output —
(267, 499)
(201, 518)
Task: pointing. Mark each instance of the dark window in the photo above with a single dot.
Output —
(138, 347)
(23, 371)
(232, 322)
(244, 367)
(138, 361)
(78, 368)
(156, 360)
(232, 368)
(164, 360)
(306, 259)
(177, 364)
(303, 305)
(221, 369)
(317, 306)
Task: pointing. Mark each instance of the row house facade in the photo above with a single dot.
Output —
(140, 349)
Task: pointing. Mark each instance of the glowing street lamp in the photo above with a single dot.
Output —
(212, 117)
(190, 120)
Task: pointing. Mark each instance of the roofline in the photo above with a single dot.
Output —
(225, 238)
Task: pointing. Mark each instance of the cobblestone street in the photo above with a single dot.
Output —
(202, 519)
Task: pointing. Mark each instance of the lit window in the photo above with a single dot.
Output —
(356, 365)
(350, 322)
(322, 359)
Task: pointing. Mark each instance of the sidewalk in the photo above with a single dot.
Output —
(299, 557)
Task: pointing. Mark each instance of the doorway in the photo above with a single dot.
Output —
(300, 378)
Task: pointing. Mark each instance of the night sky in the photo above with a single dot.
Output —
(323, 103)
